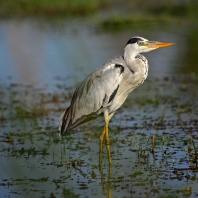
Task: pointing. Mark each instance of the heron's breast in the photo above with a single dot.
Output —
(140, 73)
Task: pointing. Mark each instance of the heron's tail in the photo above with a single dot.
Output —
(64, 121)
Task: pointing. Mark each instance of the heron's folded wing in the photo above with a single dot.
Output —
(96, 91)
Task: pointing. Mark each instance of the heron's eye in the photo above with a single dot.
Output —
(140, 43)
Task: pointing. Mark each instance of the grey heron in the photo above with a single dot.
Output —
(106, 88)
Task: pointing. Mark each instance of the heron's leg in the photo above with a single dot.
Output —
(106, 116)
(105, 133)
(101, 144)
(102, 136)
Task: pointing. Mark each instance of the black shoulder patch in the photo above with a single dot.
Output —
(113, 94)
(120, 67)
(133, 40)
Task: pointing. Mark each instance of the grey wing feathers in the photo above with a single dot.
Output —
(94, 93)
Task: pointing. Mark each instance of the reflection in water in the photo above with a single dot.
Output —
(106, 184)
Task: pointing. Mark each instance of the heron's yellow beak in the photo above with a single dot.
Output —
(157, 44)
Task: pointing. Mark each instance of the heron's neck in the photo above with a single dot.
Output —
(129, 57)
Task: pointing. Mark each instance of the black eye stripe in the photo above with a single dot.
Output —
(134, 40)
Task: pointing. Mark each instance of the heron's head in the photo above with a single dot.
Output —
(138, 45)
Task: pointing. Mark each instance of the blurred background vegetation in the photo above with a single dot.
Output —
(114, 11)
(49, 7)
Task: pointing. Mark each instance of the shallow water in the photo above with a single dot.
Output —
(41, 64)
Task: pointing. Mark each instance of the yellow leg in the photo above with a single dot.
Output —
(107, 143)
(101, 144)
(105, 133)
(106, 115)
(102, 138)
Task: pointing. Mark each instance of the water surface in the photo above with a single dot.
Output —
(41, 65)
